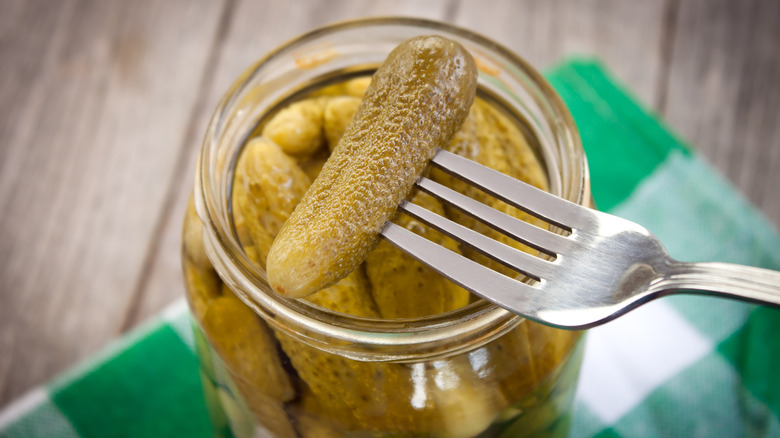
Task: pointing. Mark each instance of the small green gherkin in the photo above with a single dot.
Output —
(415, 103)
(404, 287)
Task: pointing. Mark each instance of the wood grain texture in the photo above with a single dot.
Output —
(95, 98)
(724, 92)
(104, 104)
(618, 32)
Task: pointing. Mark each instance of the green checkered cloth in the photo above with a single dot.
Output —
(680, 366)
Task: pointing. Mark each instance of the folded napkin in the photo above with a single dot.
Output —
(680, 366)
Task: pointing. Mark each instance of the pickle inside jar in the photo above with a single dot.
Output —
(335, 395)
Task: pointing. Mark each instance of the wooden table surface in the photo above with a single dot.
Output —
(103, 105)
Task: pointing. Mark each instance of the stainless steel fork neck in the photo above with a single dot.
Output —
(727, 280)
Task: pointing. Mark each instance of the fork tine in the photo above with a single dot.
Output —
(506, 292)
(524, 196)
(533, 236)
(520, 261)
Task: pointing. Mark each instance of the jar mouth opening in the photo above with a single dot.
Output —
(359, 337)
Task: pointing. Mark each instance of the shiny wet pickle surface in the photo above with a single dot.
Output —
(416, 101)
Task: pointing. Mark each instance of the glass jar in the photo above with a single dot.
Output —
(280, 367)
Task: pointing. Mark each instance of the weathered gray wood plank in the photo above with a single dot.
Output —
(724, 91)
(625, 35)
(95, 99)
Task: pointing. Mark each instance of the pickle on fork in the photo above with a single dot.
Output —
(416, 101)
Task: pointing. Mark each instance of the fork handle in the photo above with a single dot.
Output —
(745, 283)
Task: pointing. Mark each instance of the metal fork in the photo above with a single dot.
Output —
(599, 268)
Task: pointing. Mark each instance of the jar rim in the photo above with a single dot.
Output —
(352, 336)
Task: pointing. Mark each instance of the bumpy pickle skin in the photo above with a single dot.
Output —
(339, 112)
(252, 362)
(351, 295)
(355, 395)
(246, 346)
(268, 184)
(338, 384)
(365, 396)
(402, 286)
(258, 196)
(248, 352)
(249, 410)
(523, 163)
(416, 101)
(488, 138)
(297, 129)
